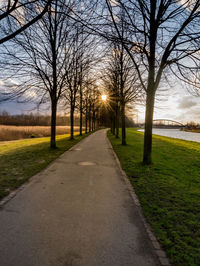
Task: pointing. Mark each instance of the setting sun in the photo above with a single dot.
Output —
(104, 97)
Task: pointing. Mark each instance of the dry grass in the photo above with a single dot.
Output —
(24, 132)
(195, 130)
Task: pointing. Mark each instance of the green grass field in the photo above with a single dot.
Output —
(169, 191)
(21, 159)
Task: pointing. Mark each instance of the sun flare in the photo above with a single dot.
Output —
(104, 97)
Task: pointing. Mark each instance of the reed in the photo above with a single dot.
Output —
(24, 132)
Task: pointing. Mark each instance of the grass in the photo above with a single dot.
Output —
(21, 159)
(22, 132)
(195, 130)
(169, 191)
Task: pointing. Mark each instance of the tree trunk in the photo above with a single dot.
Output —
(114, 124)
(97, 119)
(93, 118)
(72, 121)
(53, 123)
(148, 127)
(81, 112)
(117, 122)
(111, 125)
(90, 118)
(123, 123)
(94, 126)
(86, 119)
(113, 120)
(151, 88)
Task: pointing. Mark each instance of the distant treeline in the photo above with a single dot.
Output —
(192, 125)
(34, 120)
(43, 120)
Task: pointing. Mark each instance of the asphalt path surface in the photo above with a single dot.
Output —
(76, 212)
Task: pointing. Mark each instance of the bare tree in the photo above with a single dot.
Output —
(82, 60)
(121, 79)
(91, 102)
(39, 64)
(87, 60)
(161, 35)
(95, 97)
(74, 72)
(16, 16)
(87, 101)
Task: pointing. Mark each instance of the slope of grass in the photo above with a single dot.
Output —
(169, 191)
(21, 159)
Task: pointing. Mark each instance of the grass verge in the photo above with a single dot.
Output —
(169, 191)
(21, 159)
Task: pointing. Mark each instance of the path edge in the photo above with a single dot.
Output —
(161, 254)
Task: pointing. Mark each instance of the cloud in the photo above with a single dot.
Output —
(193, 115)
(114, 2)
(179, 105)
(187, 102)
(15, 108)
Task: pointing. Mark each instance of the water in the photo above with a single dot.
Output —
(176, 133)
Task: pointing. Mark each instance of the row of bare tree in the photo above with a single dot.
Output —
(161, 37)
(53, 60)
(120, 82)
(56, 58)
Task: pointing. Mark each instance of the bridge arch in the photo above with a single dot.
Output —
(167, 122)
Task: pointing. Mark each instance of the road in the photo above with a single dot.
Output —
(76, 212)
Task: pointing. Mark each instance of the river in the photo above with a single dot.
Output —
(176, 133)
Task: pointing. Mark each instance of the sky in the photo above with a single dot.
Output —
(16, 108)
(175, 104)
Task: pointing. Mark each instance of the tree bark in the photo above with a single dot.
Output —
(148, 127)
(86, 118)
(123, 123)
(117, 122)
(53, 123)
(111, 125)
(112, 119)
(93, 118)
(81, 112)
(72, 122)
(151, 89)
(89, 117)
(113, 122)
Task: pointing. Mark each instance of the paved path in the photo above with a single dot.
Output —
(77, 211)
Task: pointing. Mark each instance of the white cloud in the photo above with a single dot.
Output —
(188, 116)
(177, 104)
(187, 102)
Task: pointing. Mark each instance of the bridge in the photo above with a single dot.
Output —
(167, 123)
